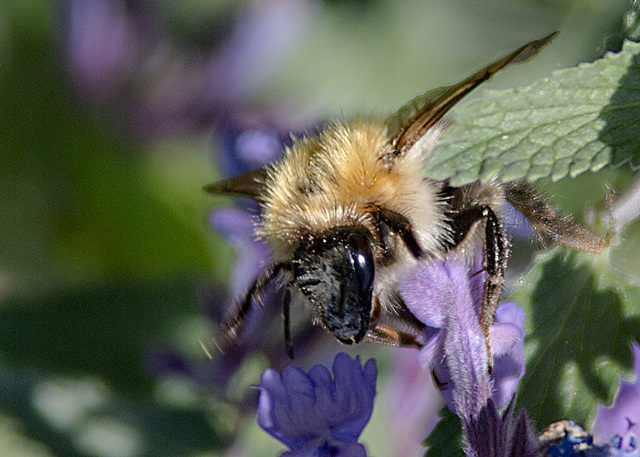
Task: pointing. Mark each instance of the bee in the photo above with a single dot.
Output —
(346, 212)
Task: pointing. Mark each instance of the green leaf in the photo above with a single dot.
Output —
(79, 417)
(102, 330)
(15, 443)
(581, 317)
(632, 22)
(446, 437)
(80, 202)
(576, 120)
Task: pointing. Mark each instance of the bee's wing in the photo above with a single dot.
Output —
(415, 118)
(250, 184)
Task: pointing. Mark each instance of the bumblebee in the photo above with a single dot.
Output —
(346, 211)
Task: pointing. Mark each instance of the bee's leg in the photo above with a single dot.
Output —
(401, 225)
(376, 312)
(530, 202)
(236, 316)
(495, 263)
(286, 304)
(496, 255)
(385, 334)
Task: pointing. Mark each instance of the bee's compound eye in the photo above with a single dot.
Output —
(362, 260)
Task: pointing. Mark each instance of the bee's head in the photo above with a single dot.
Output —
(334, 270)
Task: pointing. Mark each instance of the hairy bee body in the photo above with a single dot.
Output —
(347, 210)
(341, 178)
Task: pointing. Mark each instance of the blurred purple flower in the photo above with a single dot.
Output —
(104, 42)
(516, 224)
(248, 142)
(447, 294)
(623, 418)
(317, 415)
(257, 333)
(122, 57)
(252, 255)
(241, 150)
(412, 403)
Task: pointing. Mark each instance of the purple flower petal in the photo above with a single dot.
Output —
(354, 391)
(324, 448)
(623, 418)
(237, 227)
(103, 44)
(431, 355)
(427, 293)
(507, 346)
(447, 294)
(313, 411)
(412, 403)
(440, 294)
(122, 58)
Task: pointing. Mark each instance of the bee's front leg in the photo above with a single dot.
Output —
(390, 336)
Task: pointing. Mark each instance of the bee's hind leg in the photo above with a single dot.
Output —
(549, 223)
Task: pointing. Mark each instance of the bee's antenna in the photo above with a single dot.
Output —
(286, 304)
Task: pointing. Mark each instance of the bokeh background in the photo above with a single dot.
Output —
(113, 116)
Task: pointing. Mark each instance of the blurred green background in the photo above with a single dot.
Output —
(105, 247)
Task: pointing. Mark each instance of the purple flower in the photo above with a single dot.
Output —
(491, 434)
(241, 150)
(243, 147)
(507, 347)
(104, 40)
(123, 58)
(411, 403)
(623, 418)
(317, 415)
(237, 227)
(447, 294)
(246, 142)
